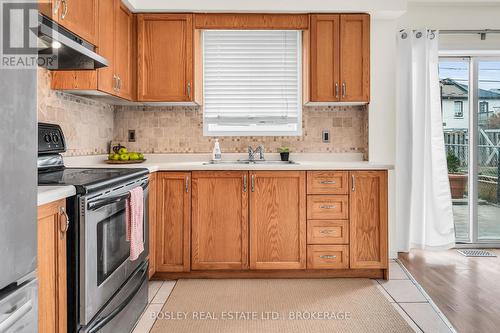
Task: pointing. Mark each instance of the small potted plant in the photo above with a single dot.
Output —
(458, 181)
(284, 153)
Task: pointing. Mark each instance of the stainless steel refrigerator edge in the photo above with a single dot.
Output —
(18, 197)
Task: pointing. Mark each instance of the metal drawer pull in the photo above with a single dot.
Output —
(336, 90)
(244, 183)
(63, 226)
(328, 182)
(253, 183)
(65, 9)
(328, 207)
(327, 231)
(189, 90)
(353, 181)
(344, 89)
(326, 256)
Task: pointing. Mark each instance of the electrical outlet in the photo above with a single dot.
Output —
(325, 136)
(131, 135)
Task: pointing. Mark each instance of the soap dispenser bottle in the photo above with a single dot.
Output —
(216, 153)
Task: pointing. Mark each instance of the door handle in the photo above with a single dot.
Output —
(353, 183)
(189, 89)
(336, 90)
(344, 89)
(119, 83)
(63, 226)
(244, 183)
(115, 82)
(57, 4)
(65, 9)
(187, 184)
(253, 183)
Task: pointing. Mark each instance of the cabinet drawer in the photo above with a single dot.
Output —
(327, 232)
(328, 207)
(327, 182)
(327, 256)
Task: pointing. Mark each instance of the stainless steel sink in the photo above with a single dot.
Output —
(273, 162)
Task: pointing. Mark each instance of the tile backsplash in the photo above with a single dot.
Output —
(90, 125)
(87, 124)
(180, 130)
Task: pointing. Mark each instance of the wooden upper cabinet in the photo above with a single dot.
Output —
(368, 219)
(124, 40)
(220, 220)
(355, 57)
(340, 58)
(325, 58)
(51, 268)
(278, 220)
(106, 77)
(173, 221)
(80, 17)
(165, 57)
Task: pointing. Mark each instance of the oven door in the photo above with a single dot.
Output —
(104, 251)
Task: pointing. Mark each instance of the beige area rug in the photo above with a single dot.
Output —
(278, 305)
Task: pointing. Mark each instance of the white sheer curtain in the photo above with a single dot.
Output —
(423, 200)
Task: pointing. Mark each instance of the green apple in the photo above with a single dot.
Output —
(114, 157)
(124, 157)
(141, 156)
(134, 156)
(122, 151)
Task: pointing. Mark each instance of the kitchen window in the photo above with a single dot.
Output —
(252, 82)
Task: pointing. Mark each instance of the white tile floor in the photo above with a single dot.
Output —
(401, 290)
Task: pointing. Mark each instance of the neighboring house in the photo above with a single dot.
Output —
(455, 106)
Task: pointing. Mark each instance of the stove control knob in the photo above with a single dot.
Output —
(55, 138)
(47, 138)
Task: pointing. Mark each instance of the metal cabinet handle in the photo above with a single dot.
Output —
(328, 182)
(63, 227)
(244, 183)
(189, 89)
(353, 183)
(344, 89)
(325, 256)
(187, 184)
(115, 82)
(328, 207)
(336, 90)
(57, 4)
(119, 83)
(253, 183)
(65, 9)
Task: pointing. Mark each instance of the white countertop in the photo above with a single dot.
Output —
(47, 194)
(193, 162)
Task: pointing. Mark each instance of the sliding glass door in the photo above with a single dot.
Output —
(470, 100)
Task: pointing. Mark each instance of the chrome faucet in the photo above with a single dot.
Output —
(252, 153)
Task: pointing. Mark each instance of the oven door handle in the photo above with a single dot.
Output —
(105, 320)
(95, 205)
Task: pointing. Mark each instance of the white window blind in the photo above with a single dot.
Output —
(252, 82)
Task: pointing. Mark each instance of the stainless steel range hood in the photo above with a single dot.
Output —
(67, 50)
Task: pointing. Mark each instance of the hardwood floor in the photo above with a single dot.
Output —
(466, 290)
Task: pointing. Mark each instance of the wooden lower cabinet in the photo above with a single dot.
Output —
(368, 219)
(51, 269)
(220, 220)
(278, 220)
(173, 221)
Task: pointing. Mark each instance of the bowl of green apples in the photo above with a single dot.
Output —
(121, 155)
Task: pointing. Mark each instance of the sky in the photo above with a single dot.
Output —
(489, 73)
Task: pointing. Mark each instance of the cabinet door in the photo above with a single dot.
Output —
(355, 57)
(123, 50)
(165, 57)
(153, 213)
(51, 268)
(50, 8)
(220, 220)
(278, 220)
(368, 219)
(325, 63)
(80, 17)
(106, 79)
(173, 214)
